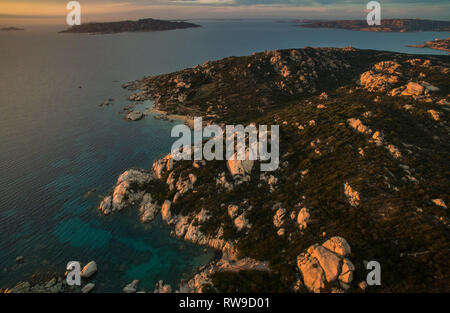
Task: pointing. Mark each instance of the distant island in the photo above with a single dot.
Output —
(437, 44)
(387, 25)
(11, 29)
(143, 25)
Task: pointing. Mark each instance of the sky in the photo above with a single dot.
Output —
(22, 12)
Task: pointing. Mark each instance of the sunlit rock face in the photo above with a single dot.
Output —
(326, 263)
(240, 167)
(127, 190)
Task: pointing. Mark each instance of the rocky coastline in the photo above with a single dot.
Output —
(135, 187)
(437, 44)
(207, 90)
(132, 188)
(364, 145)
(387, 25)
(276, 84)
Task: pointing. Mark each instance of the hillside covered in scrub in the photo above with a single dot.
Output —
(364, 171)
(363, 175)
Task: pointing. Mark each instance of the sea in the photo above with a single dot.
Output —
(57, 143)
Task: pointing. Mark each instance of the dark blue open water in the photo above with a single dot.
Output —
(56, 143)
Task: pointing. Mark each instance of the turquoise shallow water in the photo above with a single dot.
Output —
(56, 143)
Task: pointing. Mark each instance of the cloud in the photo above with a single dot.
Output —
(242, 2)
(102, 10)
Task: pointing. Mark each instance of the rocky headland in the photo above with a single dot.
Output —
(364, 146)
(387, 25)
(437, 44)
(142, 25)
(364, 151)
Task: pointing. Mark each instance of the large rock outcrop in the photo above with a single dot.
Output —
(303, 218)
(163, 165)
(326, 263)
(397, 79)
(128, 190)
(134, 116)
(131, 287)
(89, 270)
(165, 211)
(148, 209)
(240, 167)
(351, 194)
(382, 76)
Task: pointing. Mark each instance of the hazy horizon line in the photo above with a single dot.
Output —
(51, 13)
(20, 20)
